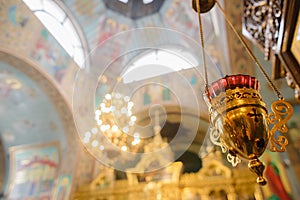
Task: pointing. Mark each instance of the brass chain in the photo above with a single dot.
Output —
(202, 45)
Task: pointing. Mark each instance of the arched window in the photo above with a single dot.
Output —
(158, 62)
(62, 27)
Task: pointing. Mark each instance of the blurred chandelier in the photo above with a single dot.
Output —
(239, 119)
(116, 122)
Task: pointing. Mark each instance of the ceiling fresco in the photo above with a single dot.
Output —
(24, 33)
(100, 23)
(33, 112)
(116, 39)
(28, 115)
(22, 101)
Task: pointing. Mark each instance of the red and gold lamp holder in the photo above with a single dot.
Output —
(239, 120)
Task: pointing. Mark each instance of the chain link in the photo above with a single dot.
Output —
(202, 44)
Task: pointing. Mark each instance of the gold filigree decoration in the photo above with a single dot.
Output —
(215, 136)
(234, 94)
(243, 94)
(282, 112)
(261, 22)
(234, 160)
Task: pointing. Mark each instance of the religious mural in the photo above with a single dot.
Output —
(34, 171)
(295, 48)
(30, 116)
(169, 89)
(178, 16)
(15, 17)
(278, 186)
(52, 57)
(63, 188)
(84, 169)
(294, 126)
(19, 94)
(39, 45)
(293, 150)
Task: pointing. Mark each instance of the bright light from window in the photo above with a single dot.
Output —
(158, 62)
(144, 1)
(147, 1)
(60, 26)
(124, 1)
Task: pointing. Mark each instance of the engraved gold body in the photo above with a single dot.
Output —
(241, 116)
(240, 122)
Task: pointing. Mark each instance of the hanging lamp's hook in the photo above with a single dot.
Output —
(205, 5)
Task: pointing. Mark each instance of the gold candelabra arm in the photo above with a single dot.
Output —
(282, 112)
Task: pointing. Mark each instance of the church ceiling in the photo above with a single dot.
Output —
(111, 34)
(101, 20)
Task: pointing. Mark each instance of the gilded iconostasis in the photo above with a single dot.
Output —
(46, 144)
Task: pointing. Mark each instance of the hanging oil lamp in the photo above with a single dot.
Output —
(239, 119)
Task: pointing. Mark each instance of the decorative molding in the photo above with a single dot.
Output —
(270, 24)
(261, 22)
